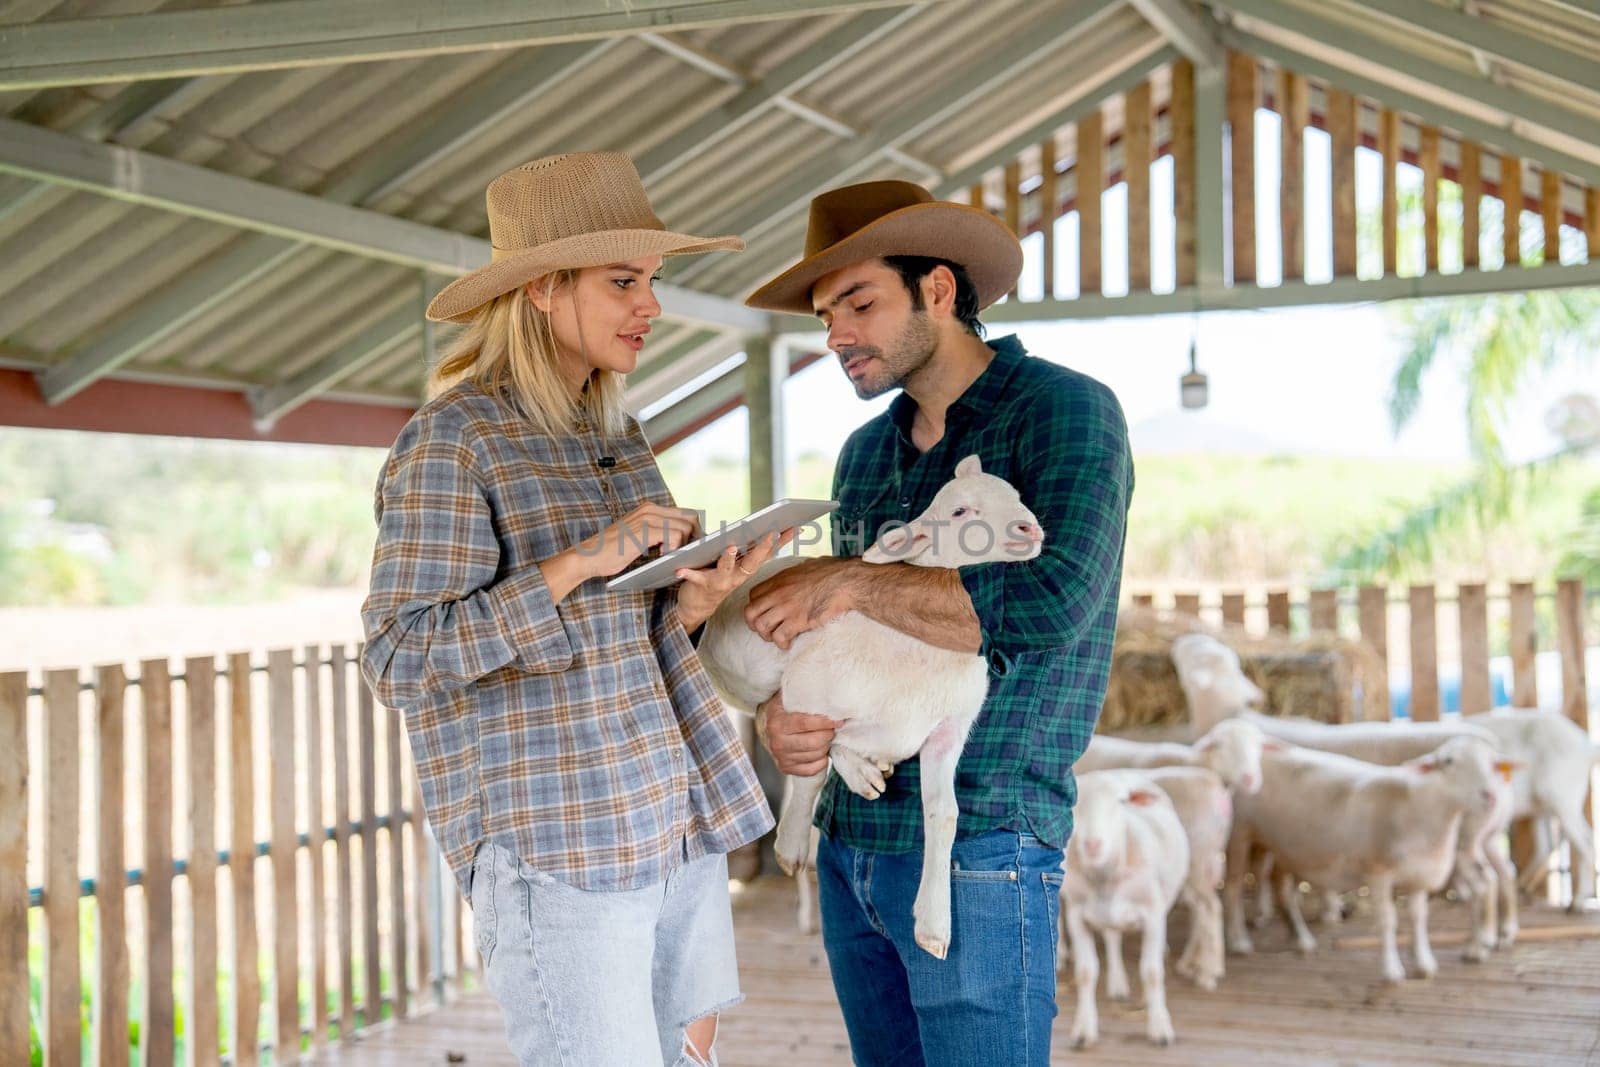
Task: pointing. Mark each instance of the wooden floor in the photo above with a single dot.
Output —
(1537, 1004)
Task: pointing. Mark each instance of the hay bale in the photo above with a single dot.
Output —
(1315, 677)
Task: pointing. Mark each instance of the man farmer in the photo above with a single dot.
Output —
(898, 279)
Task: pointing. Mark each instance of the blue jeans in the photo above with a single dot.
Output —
(992, 1001)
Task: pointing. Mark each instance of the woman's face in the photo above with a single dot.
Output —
(600, 320)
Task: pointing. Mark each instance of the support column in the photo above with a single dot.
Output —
(1210, 200)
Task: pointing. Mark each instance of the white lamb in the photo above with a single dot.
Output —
(897, 695)
(1126, 863)
(1213, 681)
(1556, 759)
(1231, 749)
(1343, 823)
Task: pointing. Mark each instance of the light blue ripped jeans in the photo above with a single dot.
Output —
(601, 979)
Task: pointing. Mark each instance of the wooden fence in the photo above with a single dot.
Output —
(291, 799)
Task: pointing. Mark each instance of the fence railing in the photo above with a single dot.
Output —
(212, 865)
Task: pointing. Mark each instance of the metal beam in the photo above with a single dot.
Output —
(681, 367)
(1192, 31)
(509, 88)
(1492, 38)
(1378, 56)
(366, 348)
(1432, 111)
(772, 91)
(298, 33)
(849, 160)
(1089, 100)
(1297, 294)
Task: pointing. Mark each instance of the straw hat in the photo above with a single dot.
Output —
(582, 209)
(892, 218)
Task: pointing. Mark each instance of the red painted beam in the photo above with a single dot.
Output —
(113, 406)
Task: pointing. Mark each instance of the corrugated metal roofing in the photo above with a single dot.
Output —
(74, 265)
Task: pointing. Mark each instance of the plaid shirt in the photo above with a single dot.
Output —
(1047, 623)
(583, 736)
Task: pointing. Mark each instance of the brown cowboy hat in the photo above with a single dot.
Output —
(582, 209)
(893, 218)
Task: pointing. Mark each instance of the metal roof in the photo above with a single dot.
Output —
(99, 262)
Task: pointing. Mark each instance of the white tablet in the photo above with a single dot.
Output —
(663, 570)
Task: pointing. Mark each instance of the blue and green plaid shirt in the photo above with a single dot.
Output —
(1060, 438)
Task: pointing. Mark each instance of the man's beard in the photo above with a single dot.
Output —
(908, 353)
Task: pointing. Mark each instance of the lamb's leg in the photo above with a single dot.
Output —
(1117, 987)
(862, 775)
(1506, 876)
(1383, 896)
(1475, 877)
(1332, 908)
(1063, 938)
(793, 842)
(1086, 971)
(1210, 960)
(1536, 878)
(931, 910)
(1304, 939)
(1193, 945)
(1577, 832)
(1152, 973)
(1421, 950)
(1263, 891)
(1233, 893)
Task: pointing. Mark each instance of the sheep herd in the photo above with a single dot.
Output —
(1394, 808)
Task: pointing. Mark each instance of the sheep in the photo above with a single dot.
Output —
(1205, 808)
(1126, 863)
(1395, 830)
(1557, 758)
(1231, 749)
(897, 695)
(1215, 685)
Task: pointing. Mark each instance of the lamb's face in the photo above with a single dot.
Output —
(1474, 773)
(1209, 668)
(1232, 749)
(974, 518)
(1106, 800)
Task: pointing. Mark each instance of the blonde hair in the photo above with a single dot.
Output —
(510, 350)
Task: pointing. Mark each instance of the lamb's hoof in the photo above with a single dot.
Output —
(1508, 937)
(1306, 946)
(861, 775)
(937, 947)
(1206, 981)
(1475, 952)
(1161, 1034)
(1427, 968)
(794, 866)
(1086, 1038)
(1185, 968)
(1241, 946)
(1394, 975)
(1260, 922)
(1118, 992)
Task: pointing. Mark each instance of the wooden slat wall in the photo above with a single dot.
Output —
(1524, 646)
(1550, 210)
(1233, 609)
(1294, 105)
(1013, 183)
(1136, 170)
(1574, 673)
(200, 686)
(61, 1022)
(1471, 176)
(1341, 123)
(1389, 148)
(1591, 222)
(312, 680)
(1325, 610)
(1143, 600)
(158, 1025)
(373, 964)
(1278, 610)
(113, 972)
(285, 903)
(421, 880)
(1372, 607)
(1511, 197)
(242, 864)
(1424, 655)
(1242, 94)
(1187, 604)
(345, 918)
(1428, 160)
(1180, 113)
(1090, 170)
(14, 981)
(397, 866)
(1049, 211)
(1472, 600)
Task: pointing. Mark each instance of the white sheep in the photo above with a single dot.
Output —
(1342, 823)
(1556, 759)
(1231, 749)
(1215, 685)
(898, 696)
(1126, 863)
(1205, 808)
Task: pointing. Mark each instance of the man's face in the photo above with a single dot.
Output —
(879, 337)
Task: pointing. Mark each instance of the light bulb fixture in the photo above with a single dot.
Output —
(1192, 390)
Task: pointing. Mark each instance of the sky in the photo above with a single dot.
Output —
(1300, 380)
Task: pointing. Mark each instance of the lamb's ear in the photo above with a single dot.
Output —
(1202, 677)
(1426, 765)
(896, 545)
(1506, 767)
(1142, 798)
(1272, 744)
(1253, 695)
(969, 466)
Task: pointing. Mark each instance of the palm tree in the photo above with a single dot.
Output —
(1499, 344)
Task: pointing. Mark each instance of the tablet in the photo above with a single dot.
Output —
(663, 570)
